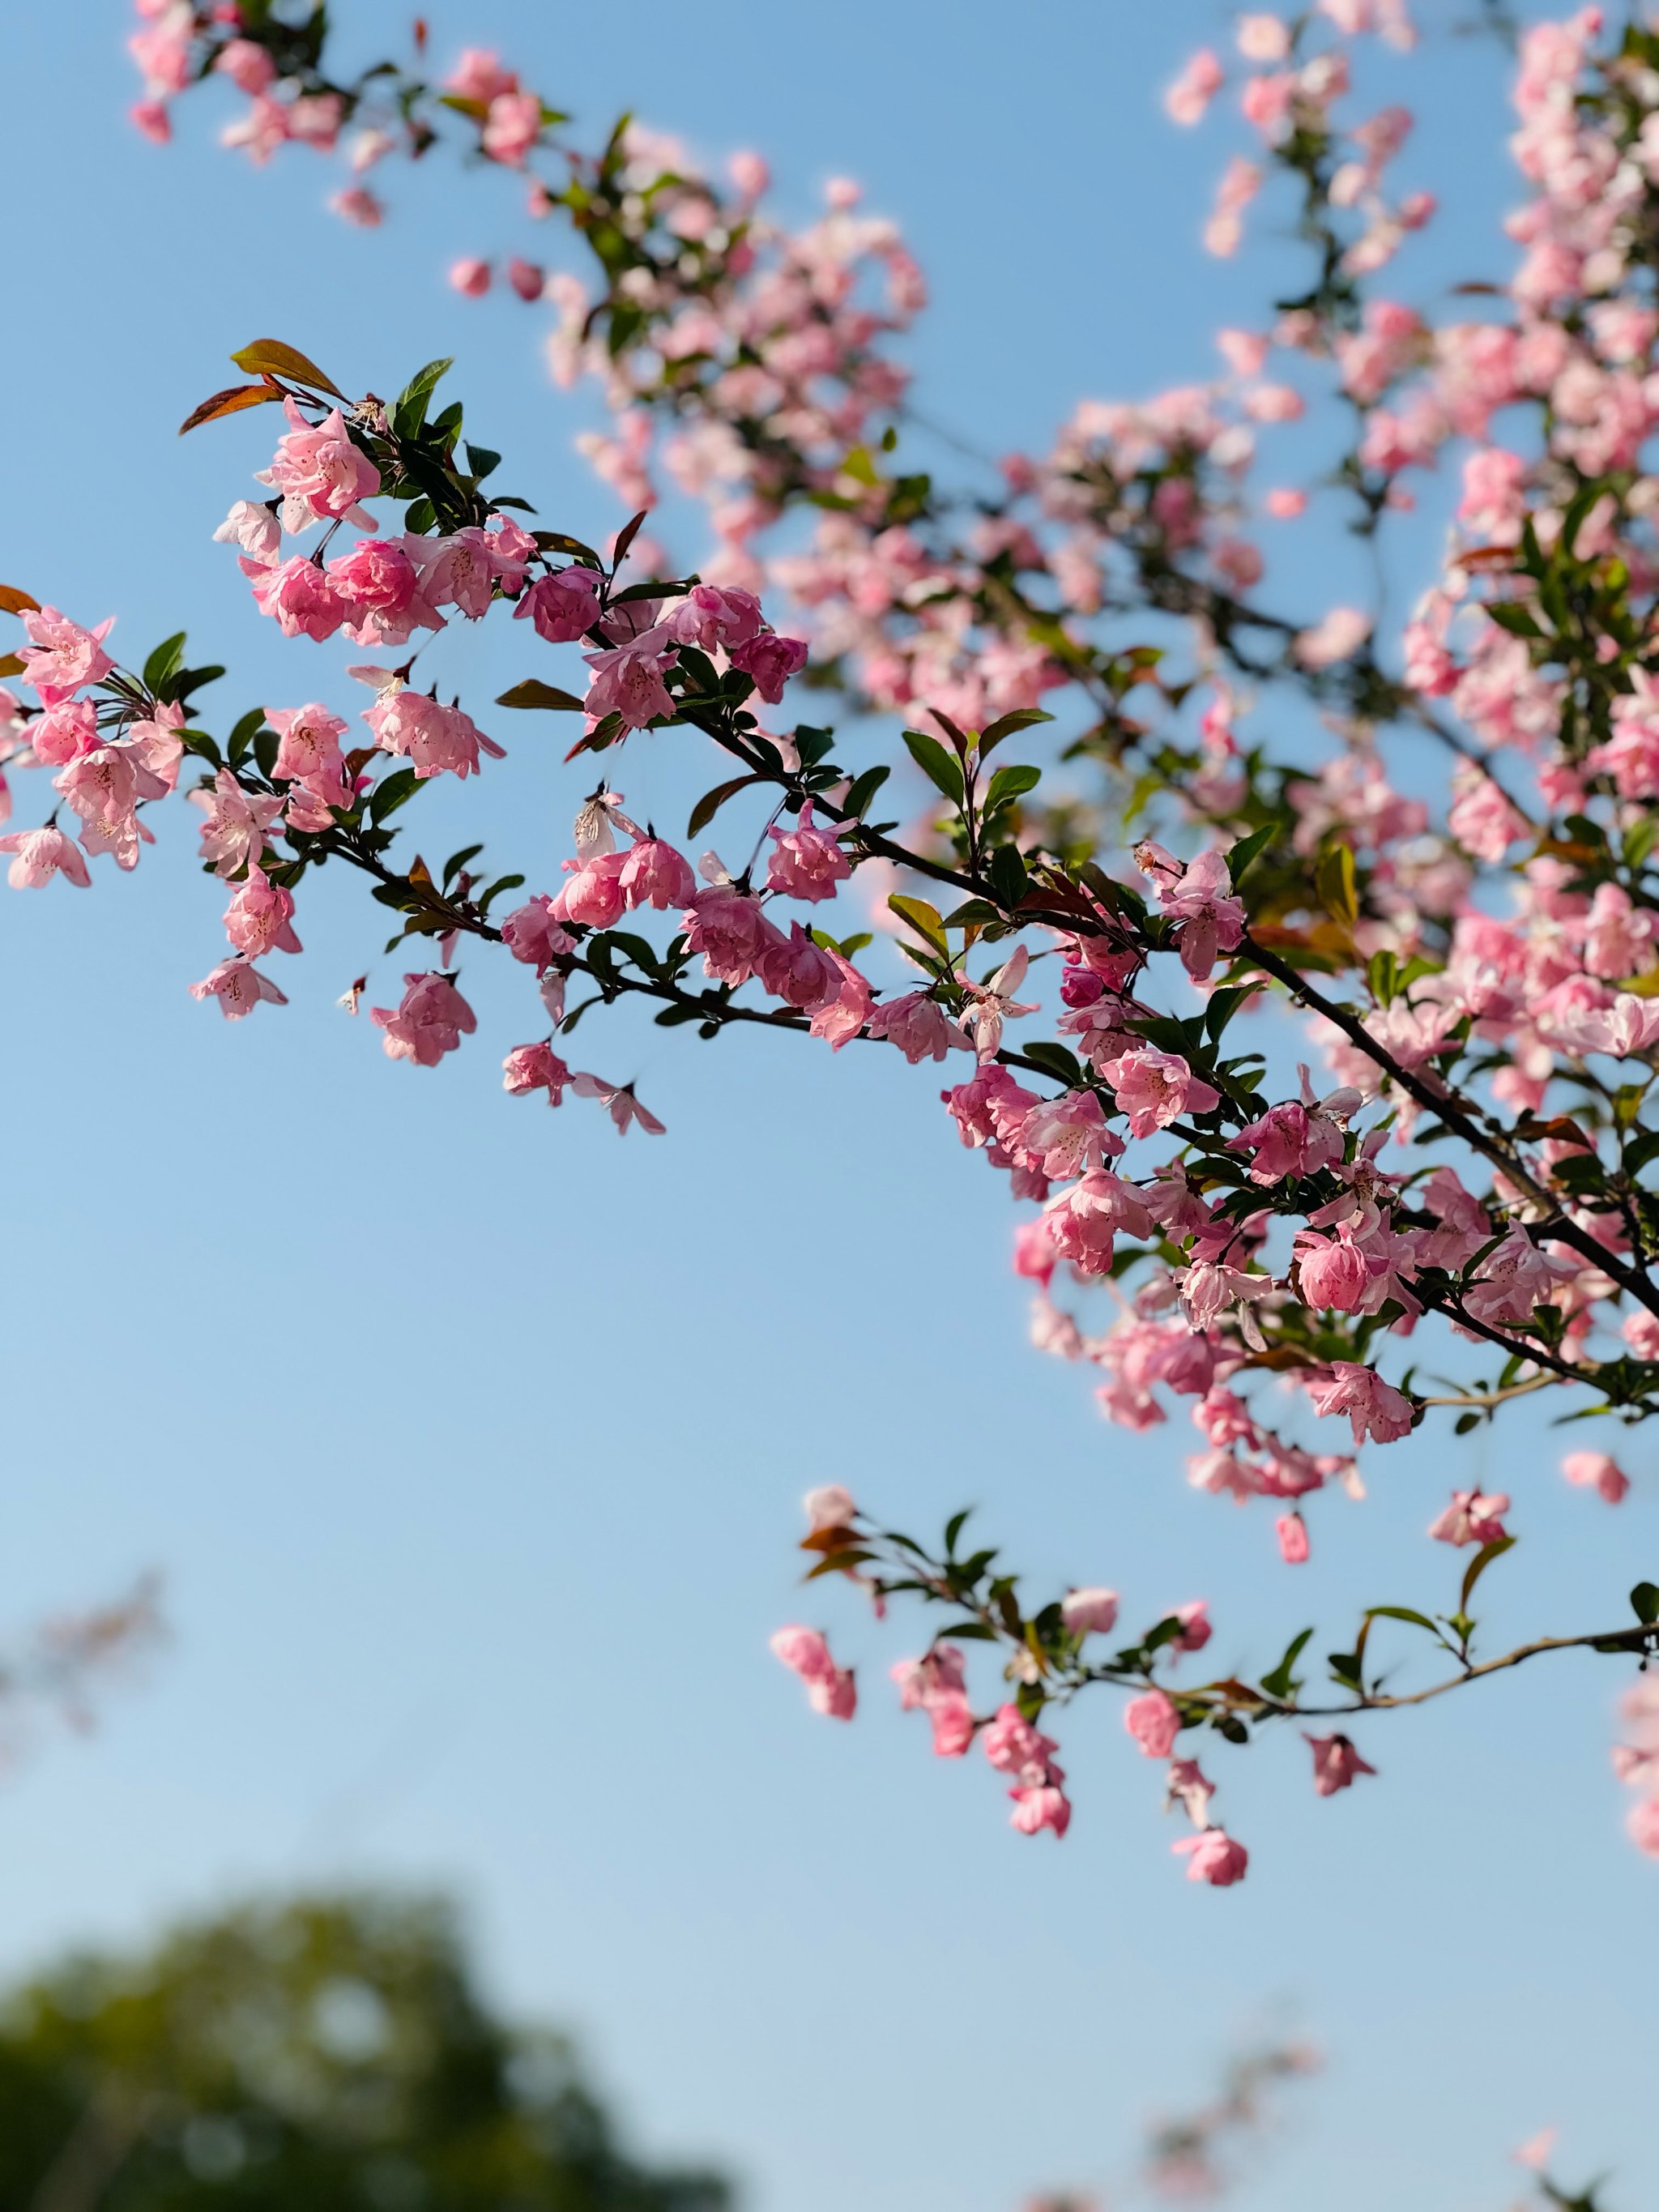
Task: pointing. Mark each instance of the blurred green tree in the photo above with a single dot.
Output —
(319, 2055)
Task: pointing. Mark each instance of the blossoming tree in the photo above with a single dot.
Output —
(1453, 1215)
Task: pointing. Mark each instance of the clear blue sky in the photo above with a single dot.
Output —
(470, 1439)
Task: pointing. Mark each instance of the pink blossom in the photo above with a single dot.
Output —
(1374, 1407)
(1039, 1806)
(309, 751)
(238, 822)
(1198, 896)
(593, 896)
(479, 76)
(104, 787)
(1642, 1826)
(715, 619)
(512, 127)
(840, 1017)
(1332, 1271)
(320, 473)
(1188, 1787)
(797, 969)
(1015, 1747)
(531, 933)
(830, 1689)
(381, 591)
(1481, 818)
(1292, 1531)
(1471, 1519)
(248, 64)
(437, 740)
(150, 118)
(60, 656)
(1155, 1088)
(653, 874)
(64, 732)
(1515, 1280)
(807, 862)
(254, 527)
(1199, 81)
(1338, 637)
(1195, 1626)
(628, 682)
(530, 1067)
(1154, 1723)
(563, 606)
(829, 1506)
(526, 278)
(620, 1104)
(1084, 1220)
(1089, 1612)
(1068, 1134)
(39, 855)
(1290, 1140)
(260, 916)
(1335, 1764)
(917, 1025)
(429, 1021)
(729, 930)
(304, 601)
(935, 1683)
(992, 1003)
(771, 660)
(1213, 1857)
(239, 987)
(1595, 1470)
(469, 276)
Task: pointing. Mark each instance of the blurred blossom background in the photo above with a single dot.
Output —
(470, 1442)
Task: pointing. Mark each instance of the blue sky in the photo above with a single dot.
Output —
(470, 1439)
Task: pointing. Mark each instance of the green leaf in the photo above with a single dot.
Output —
(164, 662)
(532, 692)
(1008, 877)
(1645, 1601)
(924, 920)
(1516, 620)
(1223, 1004)
(1279, 1684)
(1011, 783)
(1478, 1564)
(953, 1528)
(457, 861)
(935, 764)
(863, 788)
(1401, 1612)
(390, 792)
(1240, 856)
(1007, 725)
(1339, 893)
(271, 357)
(712, 801)
(481, 462)
(409, 409)
(1054, 1059)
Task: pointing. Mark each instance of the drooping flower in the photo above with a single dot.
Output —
(830, 1689)
(1471, 1518)
(1335, 1763)
(1214, 1856)
(1154, 1723)
(530, 1067)
(41, 854)
(429, 1021)
(239, 987)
